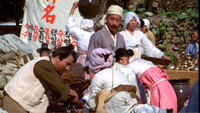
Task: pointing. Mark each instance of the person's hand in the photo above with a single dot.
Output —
(74, 96)
(79, 104)
(166, 57)
(75, 5)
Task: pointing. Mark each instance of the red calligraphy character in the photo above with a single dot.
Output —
(60, 41)
(47, 37)
(35, 35)
(26, 32)
(54, 1)
(60, 33)
(49, 18)
(74, 42)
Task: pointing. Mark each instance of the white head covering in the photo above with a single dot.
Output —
(146, 23)
(87, 24)
(121, 102)
(129, 16)
(113, 9)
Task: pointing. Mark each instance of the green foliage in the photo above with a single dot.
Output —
(182, 16)
(192, 13)
(196, 2)
(169, 54)
(172, 14)
(141, 10)
(18, 50)
(185, 34)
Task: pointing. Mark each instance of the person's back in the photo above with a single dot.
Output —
(103, 81)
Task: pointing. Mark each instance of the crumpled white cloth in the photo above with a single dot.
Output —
(87, 24)
(15, 43)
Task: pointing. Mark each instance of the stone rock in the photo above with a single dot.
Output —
(156, 20)
(154, 31)
(169, 47)
(1, 94)
(166, 41)
(175, 40)
(168, 36)
(148, 14)
(170, 28)
(176, 48)
(160, 46)
(2, 81)
(8, 78)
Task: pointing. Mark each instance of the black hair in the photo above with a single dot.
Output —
(64, 52)
(196, 29)
(122, 52)
(130, 52)
(141, 23)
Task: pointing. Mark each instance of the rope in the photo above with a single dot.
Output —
(148, 95)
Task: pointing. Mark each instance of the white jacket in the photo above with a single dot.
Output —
(130, 75)
(27, 90)
(140, 39)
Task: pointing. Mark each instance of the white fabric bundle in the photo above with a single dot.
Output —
(146, 23)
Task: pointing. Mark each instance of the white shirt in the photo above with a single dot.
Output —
(103, 81)
(130, 75)
(139, 66)
(82, 37)
(140, 39)
(114, 38)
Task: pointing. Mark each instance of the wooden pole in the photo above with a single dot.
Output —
(16, 10)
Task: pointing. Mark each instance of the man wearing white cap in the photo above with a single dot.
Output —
(147, 32)
(108, 37)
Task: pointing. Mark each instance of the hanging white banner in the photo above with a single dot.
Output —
(44, 22)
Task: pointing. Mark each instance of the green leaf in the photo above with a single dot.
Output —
(163, 28)
(185, 34)
(166, 23)
(125, 11)
(132, 10)
(142, 15)
(182, 16)
(141, 9)
(157, 31)
(189, 11)
(197, 15)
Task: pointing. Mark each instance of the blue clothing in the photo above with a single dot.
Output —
(191, 49)
(193, 104)
(142, 92)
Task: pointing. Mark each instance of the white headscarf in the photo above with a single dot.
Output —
(129, 16)
(146, 23)
(87, 24)
(113, 9)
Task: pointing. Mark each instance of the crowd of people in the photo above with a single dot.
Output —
(121, 82)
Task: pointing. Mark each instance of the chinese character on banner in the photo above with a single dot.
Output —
(35, 35)
(67, 39)
(30, 29)
(47, 37)
(53, 38)
(48, 9)
(26, 32)
(60, 33)
(41, 36)
(74, 42)
(49, 18)
(54, 1)
(60, 41)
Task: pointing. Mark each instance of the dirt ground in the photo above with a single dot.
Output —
(180, 74)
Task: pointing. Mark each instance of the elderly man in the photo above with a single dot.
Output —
(29, 89)
(108, 37)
